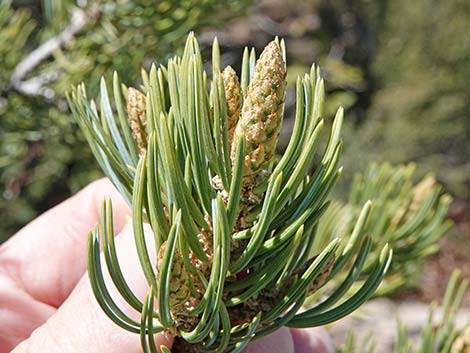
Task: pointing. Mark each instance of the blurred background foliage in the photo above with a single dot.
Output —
(407, 215)
(420, 108)
(400, 68)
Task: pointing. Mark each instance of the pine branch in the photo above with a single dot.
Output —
(234, 227)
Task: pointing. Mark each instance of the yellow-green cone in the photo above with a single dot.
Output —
(234, 99)
(462, 342)
(179, 287)
(421, 192)
(136, 110)
(180, 300)
(262, 111)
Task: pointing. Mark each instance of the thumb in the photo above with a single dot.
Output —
(80, 325)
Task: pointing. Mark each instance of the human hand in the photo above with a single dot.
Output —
(46, 303)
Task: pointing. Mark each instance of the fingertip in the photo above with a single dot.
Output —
(164, 340)
(95, 193)
(279, 341)
(312, 340)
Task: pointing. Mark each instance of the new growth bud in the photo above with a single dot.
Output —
(262, 111)
(136, 109)
(234, 99)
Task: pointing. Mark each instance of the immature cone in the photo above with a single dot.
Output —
(234, 99)
(462, 342)
(421, 192)
(180, 300)
(262, 111)
(136, 109)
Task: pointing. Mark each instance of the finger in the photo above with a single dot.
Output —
(312, 340)
(278, 342)
(42, 263)
(47, 257)
(19, 314)
(80, 325)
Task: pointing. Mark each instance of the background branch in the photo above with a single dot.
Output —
(35, 85)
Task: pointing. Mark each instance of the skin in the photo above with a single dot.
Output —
(46, 304)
